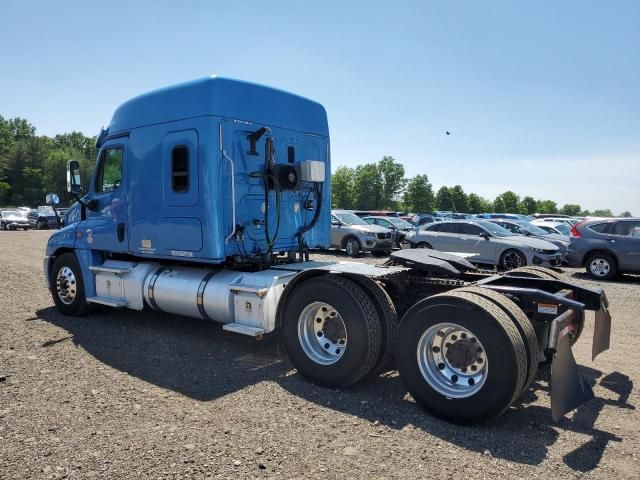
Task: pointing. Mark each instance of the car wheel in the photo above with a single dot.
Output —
(601, 266)
(424, 245)
(352, 247)
(512, 258)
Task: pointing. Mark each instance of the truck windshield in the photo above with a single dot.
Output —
(350, 219)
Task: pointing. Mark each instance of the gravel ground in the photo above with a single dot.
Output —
(122, 394)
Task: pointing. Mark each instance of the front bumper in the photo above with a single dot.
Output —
(370, 244)
(544, 260)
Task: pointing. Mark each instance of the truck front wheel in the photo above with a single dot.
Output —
(331, 331)
(67, 286)
(461, 357)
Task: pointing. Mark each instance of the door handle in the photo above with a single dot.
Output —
(121, 232)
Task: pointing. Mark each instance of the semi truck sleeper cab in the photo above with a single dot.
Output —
(205, 201)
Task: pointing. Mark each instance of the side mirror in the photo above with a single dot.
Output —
(335, 223)
(52, 199)
(484, 235)
(74, 186)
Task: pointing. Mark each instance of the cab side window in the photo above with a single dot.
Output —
(110, 172)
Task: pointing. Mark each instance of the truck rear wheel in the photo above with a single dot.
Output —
(537, 272)
(461, 357)
(331, 331)
(522, 323)
(67, 286)
(388, 320)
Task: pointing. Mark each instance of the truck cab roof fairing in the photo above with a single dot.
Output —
(223, 97)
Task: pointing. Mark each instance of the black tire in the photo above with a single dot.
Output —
(352, 246)
(608, 268)
(388, 321)
(491, 326)
(361, 321)
(537, 272)
(512, 259)
(522, 323)
(78, 305)
(424, 245)
(4, 226)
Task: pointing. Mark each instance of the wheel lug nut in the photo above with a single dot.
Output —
(463, 335)
(480, 350)
(480, 360)
(471, 381)
(326, 345)
(453, 337)
(454, 378)
(474, 368)
(319, 320)
(441, 366)
(436, 349)
(319, 334)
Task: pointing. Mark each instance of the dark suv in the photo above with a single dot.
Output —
(606, 246)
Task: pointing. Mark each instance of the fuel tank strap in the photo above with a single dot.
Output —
(152, 284)
(200, 297)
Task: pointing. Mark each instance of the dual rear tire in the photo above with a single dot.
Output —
(466, 355)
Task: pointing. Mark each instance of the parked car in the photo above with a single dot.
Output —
(398, 227)
(561, 228)
(423, 218)
(492, 244)
(520, 227)
(352, 233)
(42, 217)
(606, 247)
(13, 220)
(508, 216)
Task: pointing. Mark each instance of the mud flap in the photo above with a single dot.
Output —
(602, 329)
(569, 389)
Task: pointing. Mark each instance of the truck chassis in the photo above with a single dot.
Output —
(466, 342)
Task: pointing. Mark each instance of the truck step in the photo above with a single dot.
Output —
(115, 270)
(243, 329)
(109, 302)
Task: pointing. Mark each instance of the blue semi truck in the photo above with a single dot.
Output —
(206, 200)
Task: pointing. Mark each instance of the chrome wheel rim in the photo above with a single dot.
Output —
(322, 333)
(66, 285)
(599, 267)
(512, 260)
(452, 360)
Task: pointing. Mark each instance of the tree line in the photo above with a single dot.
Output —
(383, 186)
(33, 165)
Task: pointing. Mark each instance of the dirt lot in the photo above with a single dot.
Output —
(122, 394)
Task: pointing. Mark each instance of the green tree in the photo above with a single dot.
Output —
(392, 182)
(460, 200)
(528, 205)
(342, 187)
(570, 209)
(367, 187)
(626, 214)
(602, 213)
(510, 202)
(444, 199)
(418, 196)
(498, 205)
(547, 206)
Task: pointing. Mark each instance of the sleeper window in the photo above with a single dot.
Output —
(180, 169)
(110, 174)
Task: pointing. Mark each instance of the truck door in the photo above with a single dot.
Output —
(107, 223)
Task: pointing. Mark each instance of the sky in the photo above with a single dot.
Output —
(542, 98)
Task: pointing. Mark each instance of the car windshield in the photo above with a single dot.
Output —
(533, 229)
(562, 228)
(45, 210)
(496, 230)
(8, 213)
(350, 219)
(400, 223)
